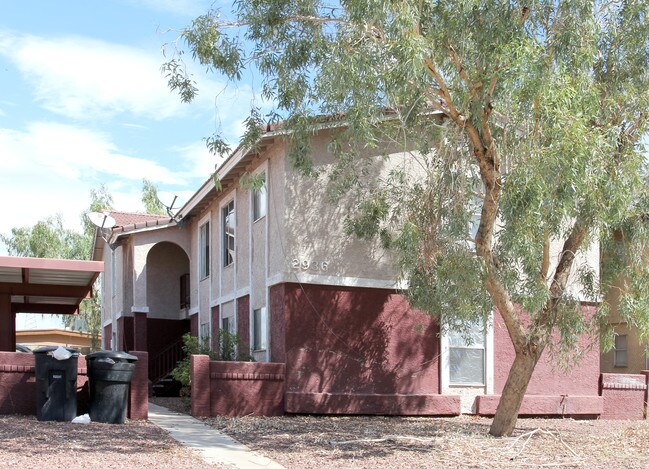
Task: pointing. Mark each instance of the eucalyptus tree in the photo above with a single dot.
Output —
(150, 199)
(527, 117)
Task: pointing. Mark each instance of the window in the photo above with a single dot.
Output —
(228, 233)
(204, 246)
(259, 329)
(259, 200)
(225, 324)
(205, 334)
(620, 351)
(467, 358)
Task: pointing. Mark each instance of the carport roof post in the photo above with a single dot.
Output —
(34, 285)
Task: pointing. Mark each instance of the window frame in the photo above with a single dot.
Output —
(204, 250)
(205, 335)
(229, 240)
(475, 346)
(225, 324)
(621, 354)
(259, 329)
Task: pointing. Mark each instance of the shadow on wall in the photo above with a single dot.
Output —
(315, 235)
(358, 341)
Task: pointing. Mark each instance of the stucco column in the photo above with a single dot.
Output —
(140, 253)
(7, 324)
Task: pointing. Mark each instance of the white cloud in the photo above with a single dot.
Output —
(51, 168)
(74, 153)
(80, 77)
(179, 7)
(197, 160)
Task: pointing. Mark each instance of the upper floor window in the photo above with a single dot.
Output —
(620, 351)
(229, 223)
(259, 200)
(204, 246)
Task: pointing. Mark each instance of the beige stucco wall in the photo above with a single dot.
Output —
(587, 258)
(637, 358)
(315, 246)
(142, 243)
(243, 209)
(258, 263)
(166, 263)
(276, 182)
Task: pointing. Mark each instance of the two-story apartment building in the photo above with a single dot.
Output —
(275, 267)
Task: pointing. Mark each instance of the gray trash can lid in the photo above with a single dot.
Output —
(114, 355)
(51, 348)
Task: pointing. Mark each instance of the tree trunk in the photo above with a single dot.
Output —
(512, 396)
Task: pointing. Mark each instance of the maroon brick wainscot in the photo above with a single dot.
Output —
(624, 396)
(236, 388)
(18, 385)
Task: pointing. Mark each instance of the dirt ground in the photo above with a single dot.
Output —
(26, 443)
(421, 442)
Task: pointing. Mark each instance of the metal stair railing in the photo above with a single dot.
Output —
(166, 360)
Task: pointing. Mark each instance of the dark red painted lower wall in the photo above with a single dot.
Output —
(548, 378)
(125, 333)
(277, 324)
(358, 350)
(18, 385)
(193, 325)
(243, 321)
(163, 332)
(139, 331)
(216, 326)
(552, 390)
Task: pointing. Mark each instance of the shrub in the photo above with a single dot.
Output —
(229, 348)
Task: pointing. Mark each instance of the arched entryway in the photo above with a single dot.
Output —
(167, 293)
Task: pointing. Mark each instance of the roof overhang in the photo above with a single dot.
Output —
(228, 173)
(55, 286)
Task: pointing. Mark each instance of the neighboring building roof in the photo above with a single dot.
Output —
(47, 285)
(126, 219)
(127, 222)
(39, 337)
(134, 221)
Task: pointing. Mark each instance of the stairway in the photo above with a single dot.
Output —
(161, 366)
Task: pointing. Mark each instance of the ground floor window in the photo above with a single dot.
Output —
(620, 351)
(259, 329)
(467, 355)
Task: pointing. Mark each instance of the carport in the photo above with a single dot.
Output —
(50, 286)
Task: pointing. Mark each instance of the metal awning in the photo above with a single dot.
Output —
(47, 285)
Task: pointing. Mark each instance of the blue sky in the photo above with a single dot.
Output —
(83, 103)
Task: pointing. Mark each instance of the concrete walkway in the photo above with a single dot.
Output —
(213, 446)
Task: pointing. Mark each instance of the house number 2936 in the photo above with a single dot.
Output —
(314, 266)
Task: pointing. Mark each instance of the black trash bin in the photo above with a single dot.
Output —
(56, 385)
(109, 377)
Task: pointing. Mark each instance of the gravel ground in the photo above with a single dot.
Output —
(421, 442)
(27, 443)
